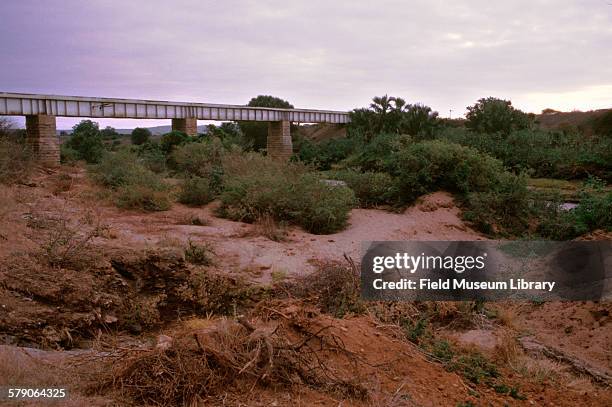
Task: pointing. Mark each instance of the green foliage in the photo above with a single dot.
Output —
(140, 136)
(202, 159)
(415, 331)
(152, 156)
(392, 115)
(474, 367)
(230, 135)
(496, 200)
(15, 160)
(594, 211)
(255, 185)
(545, 153)
(86, 140)
(170, 141)
(68, 155)
(377, 155)
(195, 191)
(134, 186)
(370, 188)
(199, 254)
(142, 197)
(256, 133)
(491, 115)
(109, 133)
(326, 153)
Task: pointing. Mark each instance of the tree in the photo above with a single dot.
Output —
(170, 140)
(256, 133)
(109, 133)
(392, 115)
(491, 115)
(86, 140)
(140, 136)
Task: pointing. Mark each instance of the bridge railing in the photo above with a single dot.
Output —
(21, 104)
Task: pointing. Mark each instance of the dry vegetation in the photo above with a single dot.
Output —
(130, 312)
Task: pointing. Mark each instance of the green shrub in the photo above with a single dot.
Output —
(152, 156)
(199, 158)
(68, 155)
(86, 140)
(196, 191)
(555, 154)
(255, 185)
(490, 115)
(15, 161)
(377, 155)
(371, 188)
(170, 141)
(594, 211)
(140, 136)
(326, 153)
(134, 185)
(142, 197)
(199, 254)
(203, 159)
(495, 200)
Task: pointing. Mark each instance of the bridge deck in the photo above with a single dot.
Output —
(22, 104)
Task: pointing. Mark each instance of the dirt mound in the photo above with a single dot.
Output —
(284, 346)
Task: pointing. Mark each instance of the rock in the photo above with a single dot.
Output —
(163, 342)
(110, 319)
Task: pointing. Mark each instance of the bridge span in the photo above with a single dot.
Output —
(40, 112)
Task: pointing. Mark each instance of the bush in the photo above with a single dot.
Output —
(86, 140)
(170, 141)
(68, 155)
(496, 200)
(255, 185)
(594, 211)
(370, 188)
(15, 161)
(201, 160)
(196, 191)
(133, 184)
(326, 153)
(140, 136)
(546, 153)
(490, 115)
(377, 155)
(152, 156)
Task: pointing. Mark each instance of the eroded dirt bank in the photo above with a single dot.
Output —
(77, 273)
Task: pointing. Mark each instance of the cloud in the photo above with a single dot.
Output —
(317, 54)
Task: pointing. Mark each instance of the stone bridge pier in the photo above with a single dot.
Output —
(279, 143)
(188, 125)
(41, 110)
(42, 139)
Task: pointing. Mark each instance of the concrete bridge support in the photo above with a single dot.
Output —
(187, 125)
(42, 140)
(279, 140)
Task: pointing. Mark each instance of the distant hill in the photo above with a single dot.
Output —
(554, 120)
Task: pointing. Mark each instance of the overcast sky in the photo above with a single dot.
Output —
(316, 54)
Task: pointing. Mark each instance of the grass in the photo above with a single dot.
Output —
(200, 254)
